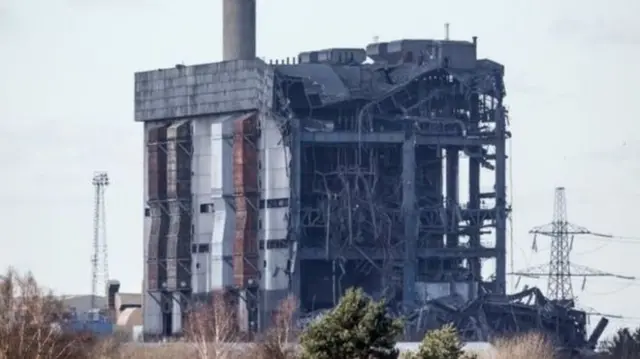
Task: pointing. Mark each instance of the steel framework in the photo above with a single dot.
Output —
(169, 151)
(372, 208)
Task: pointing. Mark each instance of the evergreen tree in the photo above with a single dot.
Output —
(443, 343)
(357, 328)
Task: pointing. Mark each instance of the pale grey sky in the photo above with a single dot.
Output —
(66, 109)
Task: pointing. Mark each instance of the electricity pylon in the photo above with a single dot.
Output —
(560, 270)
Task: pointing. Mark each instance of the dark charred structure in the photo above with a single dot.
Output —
(380, 148)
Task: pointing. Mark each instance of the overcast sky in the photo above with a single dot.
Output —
(66, 109)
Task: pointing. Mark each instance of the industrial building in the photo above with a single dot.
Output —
(309, 175)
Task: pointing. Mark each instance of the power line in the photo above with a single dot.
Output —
(615, 239)
(610, 292)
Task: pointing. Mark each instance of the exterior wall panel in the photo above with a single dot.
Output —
(222, 195)
(157, 163)
(274, 238)
(245, 179)
(156, 225)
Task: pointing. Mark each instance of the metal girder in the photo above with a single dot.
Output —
(397, 137)
(357, 253)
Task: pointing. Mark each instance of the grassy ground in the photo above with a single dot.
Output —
(26, 332)
(527, 347)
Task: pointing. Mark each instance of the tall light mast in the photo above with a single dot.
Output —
(99, 258)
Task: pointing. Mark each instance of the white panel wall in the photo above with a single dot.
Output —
(200, 272)
(221, 185)
(152, 316)
(433, 290)
(201, 189)
(201, 180)
(212, 166)
(151, 312)
(176, 316)
(275, 185)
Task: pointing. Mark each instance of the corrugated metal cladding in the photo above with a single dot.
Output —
(157, 192)
(179, 149)
(247, 196)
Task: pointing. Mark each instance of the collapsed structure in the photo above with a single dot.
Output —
(334, 169)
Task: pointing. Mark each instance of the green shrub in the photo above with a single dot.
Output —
(357, 328)
(441, 344)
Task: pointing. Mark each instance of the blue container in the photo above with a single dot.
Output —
(99, 328)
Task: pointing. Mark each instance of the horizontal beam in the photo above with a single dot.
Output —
(395, 137)
(353, 253)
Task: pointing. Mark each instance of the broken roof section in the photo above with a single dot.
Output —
(338, 75)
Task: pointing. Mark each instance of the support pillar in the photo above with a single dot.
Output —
(410, 215)
(452, 239)
(473, 206)
(294, 214)
(501, 199)
(474, 193)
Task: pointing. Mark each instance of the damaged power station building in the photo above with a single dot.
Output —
(337, 169)
(307, 176)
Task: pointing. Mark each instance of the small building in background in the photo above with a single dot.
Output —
(114, 312)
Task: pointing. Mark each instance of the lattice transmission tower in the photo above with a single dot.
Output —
(560, 270)
(99, 257)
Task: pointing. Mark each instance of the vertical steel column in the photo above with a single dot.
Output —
(453, 161)
(410, 218)
(294, 215)
(474, 191)
(501, 199)
(474, 205)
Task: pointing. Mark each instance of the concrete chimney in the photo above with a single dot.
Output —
(238, 29)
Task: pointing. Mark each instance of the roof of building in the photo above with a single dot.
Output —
(128, 299)
(83, 303)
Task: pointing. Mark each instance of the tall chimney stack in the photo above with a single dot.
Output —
(238, 30)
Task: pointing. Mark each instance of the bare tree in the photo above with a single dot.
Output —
(30, 323)
(280, 339)
(212, 327)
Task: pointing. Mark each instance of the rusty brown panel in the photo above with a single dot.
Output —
(245, 177)
(157, 186)
(179, 147)
(156, 162)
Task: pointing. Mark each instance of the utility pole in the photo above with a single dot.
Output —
(560, 270)
(99, 258)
